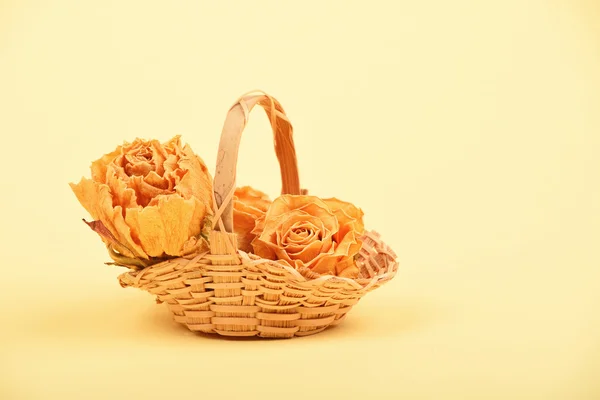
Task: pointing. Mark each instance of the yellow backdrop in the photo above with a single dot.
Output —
(468, 131)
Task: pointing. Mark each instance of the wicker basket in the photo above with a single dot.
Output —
(232, 293)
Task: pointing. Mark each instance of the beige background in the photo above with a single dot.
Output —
(468, 131)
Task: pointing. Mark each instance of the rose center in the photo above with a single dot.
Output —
(301, 233)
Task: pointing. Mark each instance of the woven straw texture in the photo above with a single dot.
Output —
(231, 293)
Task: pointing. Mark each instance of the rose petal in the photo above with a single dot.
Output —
(97, 200)
(347, 268)
(125, 233)
(278, 239)
(308, 253)
(159, 155)
(349, 245)
(302, 234)
(157, 181)
(137, 167)
(346, 212)
(324, 264)
(121, 194)
(197, 181)
(244, 224)
(145, 192)
(244, 208)
(248, 205)
(198, 218)
(283, 255)
(99, 167)
(173, 178)
(250, 197)
(287, 221)
(170, 164)
(263, 249)
(310, 204)
(259, 226)
(158, 227)
(173, 146)
(346, 249)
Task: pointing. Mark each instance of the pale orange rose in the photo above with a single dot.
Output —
(149, 200)
(309, 232)
(248, 205)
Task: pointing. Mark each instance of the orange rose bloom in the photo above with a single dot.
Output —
(248, 205)
(309, 232)
(149, 200)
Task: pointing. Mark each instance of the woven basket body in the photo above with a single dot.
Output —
(228, 292)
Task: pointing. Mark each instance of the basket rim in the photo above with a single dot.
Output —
(355, 282)
(300, 277)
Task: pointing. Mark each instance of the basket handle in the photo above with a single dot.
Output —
(225, 173)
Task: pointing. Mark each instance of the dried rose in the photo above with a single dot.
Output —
(150, 201)
(249, 205)
(309, 232)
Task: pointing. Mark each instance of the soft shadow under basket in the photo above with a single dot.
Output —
(232, 293)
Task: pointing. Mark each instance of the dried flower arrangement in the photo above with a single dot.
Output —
(228, 260)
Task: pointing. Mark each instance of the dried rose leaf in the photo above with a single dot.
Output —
(100, 229)
(108, 237)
